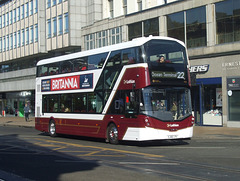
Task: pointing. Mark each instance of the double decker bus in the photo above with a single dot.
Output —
(119, 92)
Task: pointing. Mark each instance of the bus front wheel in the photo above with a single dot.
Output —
(52, 129)
(112, 134)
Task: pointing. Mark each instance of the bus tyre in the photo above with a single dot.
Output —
(52, 129)
(112, 134)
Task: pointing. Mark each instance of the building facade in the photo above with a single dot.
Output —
(31, 30)
(209, 28)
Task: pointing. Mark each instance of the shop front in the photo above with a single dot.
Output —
(206, 96)
(12, 103)
(207, 101)
(233, 93)
(216, 91)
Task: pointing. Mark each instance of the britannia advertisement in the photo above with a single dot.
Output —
(68, 83)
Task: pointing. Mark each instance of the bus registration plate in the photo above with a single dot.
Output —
(172, 136)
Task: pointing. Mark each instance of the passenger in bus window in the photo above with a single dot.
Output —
(55, 107)
(162, 59)
(131, 60)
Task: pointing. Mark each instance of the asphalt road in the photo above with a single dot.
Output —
(26, 154)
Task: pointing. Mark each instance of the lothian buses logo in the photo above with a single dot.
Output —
(129, 81)
(172, 125)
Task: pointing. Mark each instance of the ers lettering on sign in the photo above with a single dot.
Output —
(65, 83)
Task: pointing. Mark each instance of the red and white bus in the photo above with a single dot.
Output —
(118, 92)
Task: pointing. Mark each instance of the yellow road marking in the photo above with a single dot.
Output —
(103, 149)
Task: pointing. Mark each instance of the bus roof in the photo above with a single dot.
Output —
(134, 43)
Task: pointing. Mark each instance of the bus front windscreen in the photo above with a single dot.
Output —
(163, 51)
(167, 60)
(166, 104)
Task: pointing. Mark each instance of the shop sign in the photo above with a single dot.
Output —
(233, 83)
(231, 65)
(199, 68)
(25, 93)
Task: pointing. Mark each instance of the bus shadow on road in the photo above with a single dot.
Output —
(31, 159)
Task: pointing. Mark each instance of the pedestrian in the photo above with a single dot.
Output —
(26, 112)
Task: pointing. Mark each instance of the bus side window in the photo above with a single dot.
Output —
(96, 61)
(129, 56)
(66, 66)
(53, 69)
(42, 71)
(79, 64)
(114, 59)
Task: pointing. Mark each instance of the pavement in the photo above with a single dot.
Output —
(211, 132)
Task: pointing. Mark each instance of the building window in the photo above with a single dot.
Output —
(48, 3)
(18, 13)
(22, 13)
(0, 21)
(4, 44)
(99, 39)
(115, 35)
(196, 27)
(49, 34)
(36, 33)
(7, 42)
(60, 25)
(54, 2)
(66, 29)
(26, 9)
(195, 20)
(54, 26)
(118, 34)
(228, 21)
(102, 39)
(145, 28)
(14, 16)
(111, 8)
(139, 5)
(124, 6)
(19, 38)
(151, 27)
(31, 34)
(10, 17)
(90, 41)
(23, 37)
(31, 8)
(135, 30)
(27, 36)
(175, 26)
(15, 40)
(7, 19)
(36, 6)
(11, 41)
(3, 20)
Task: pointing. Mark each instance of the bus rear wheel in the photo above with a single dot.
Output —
(52, 129)
(112, 134)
